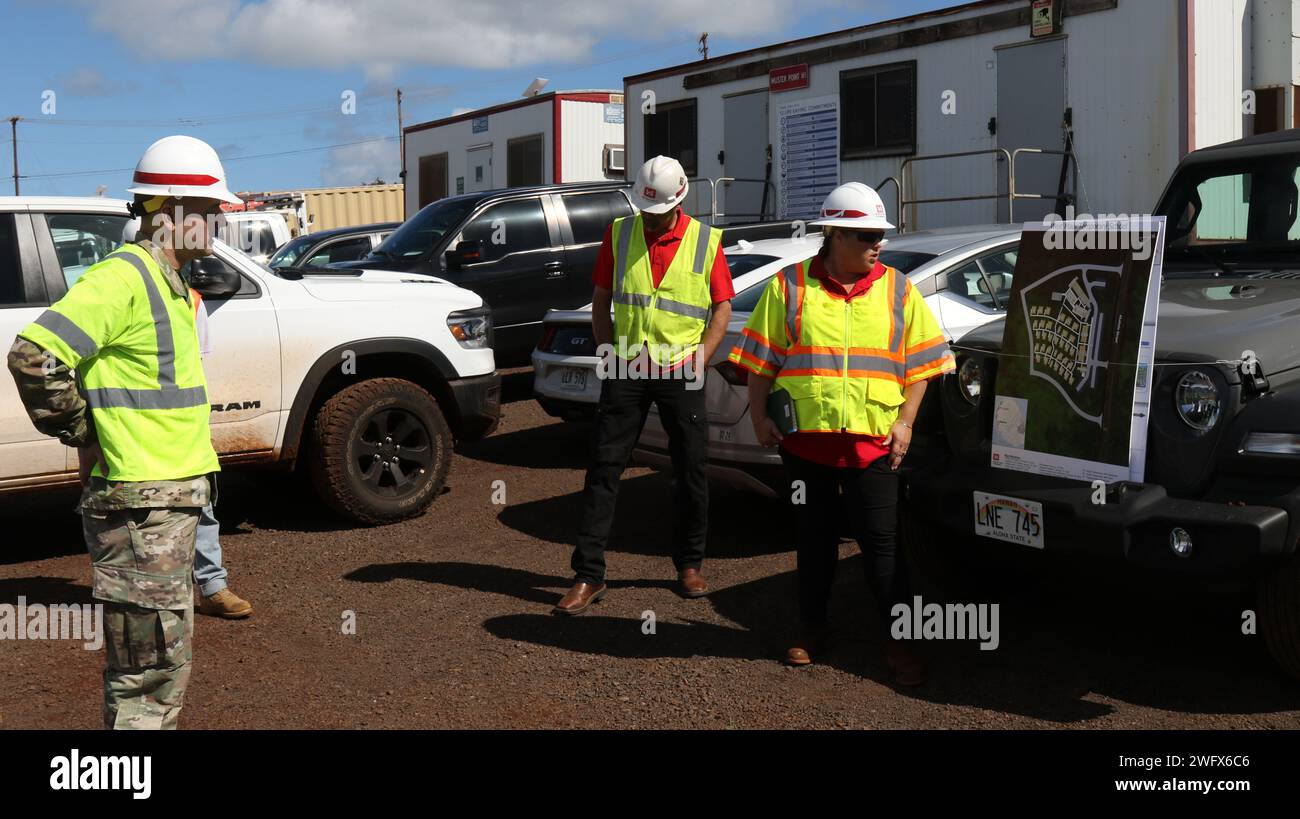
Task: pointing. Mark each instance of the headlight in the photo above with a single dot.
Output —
(1197, 400)
(969, 377)
(472, 328)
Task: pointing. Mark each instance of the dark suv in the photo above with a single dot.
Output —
(1221, 496)
(524, 250)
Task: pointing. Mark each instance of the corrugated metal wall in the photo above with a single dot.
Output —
(345, 207)
(583, 137)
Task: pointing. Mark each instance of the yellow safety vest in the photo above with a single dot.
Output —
(844, 362)
(669, 319)
(132, 341)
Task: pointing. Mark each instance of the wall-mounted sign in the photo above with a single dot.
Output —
(788, 77)
(614, 114)
(479, 124)
(808, 154)
(1044, 18)
(460, 185)
(615, 99)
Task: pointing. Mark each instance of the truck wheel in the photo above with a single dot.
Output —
(1279, 616)
(380, 451)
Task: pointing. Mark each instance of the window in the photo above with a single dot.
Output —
(878, 116)
(344, 250)
(986, 281)
(524, 164)
(433, 178)
(670, 131)
(423, 231)
(12, 291)
(81, 240)
(510, 227)
(591, 213)
(256, 237)
(1268, 110)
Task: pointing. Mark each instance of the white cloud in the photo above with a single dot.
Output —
(381, 35)
(361, 164)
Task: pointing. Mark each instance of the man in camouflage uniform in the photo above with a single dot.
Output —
(145, 451)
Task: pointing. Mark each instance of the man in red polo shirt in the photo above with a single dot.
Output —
(651, 273)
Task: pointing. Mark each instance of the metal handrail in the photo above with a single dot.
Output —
(727, 180)
(898, 195)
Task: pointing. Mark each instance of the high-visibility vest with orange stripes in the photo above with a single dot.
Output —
(132, 340)
(669, 319)
(844, 362)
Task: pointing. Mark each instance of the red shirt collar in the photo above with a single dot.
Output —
(818, 271)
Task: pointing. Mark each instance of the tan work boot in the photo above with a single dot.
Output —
(225, 604)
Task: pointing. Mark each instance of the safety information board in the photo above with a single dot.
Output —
(808, 139)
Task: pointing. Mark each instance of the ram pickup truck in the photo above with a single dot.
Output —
(1221, 492)
(364, 378)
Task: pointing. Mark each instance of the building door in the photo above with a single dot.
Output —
(433, 178)
(478, 171)
(744, 145)
(1031, 110)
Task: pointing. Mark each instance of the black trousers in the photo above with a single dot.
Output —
(624, 403)
(870, 497)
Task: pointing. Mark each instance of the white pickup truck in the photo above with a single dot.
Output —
(365, 377)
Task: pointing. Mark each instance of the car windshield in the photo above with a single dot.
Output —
(419, 234)
(291, 253)
(1225, 213)
(746, 300)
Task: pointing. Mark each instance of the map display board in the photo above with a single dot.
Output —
(808, 149)
(1074, 377)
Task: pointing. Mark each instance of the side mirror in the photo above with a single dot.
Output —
(213, 278)
(467, 252)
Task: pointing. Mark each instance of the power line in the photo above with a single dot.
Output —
(224, 159)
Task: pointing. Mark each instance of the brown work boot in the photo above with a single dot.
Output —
(812, 642)
(225, 604)
(692, 583)
(906, 667)
(581, 595)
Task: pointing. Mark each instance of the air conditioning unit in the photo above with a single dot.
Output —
(612, 162)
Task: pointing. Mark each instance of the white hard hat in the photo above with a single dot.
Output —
(182, 166)
(854, 205)
(660, 185)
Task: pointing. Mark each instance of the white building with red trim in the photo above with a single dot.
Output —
(560, 136)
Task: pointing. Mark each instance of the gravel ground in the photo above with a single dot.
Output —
(454, 626)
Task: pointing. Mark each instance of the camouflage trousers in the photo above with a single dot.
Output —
(142, 560)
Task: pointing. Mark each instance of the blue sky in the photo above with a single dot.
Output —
(263, 81)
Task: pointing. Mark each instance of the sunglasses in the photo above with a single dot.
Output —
(866, 237)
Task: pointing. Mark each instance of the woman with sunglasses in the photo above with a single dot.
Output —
(843, 346)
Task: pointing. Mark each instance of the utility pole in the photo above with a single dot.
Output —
(704, 45)
(13, 128)
(401, 146)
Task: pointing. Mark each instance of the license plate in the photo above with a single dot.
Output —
(573, 378)
(1010, 519)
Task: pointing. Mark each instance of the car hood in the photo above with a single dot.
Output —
(385, 285)
(1211, 319)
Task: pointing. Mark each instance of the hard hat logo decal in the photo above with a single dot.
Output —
(649, 192)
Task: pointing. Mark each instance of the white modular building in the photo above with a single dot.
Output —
(1045, 103)
(560, 136)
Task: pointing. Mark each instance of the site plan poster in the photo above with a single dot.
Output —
(808, 137)
(1074, 380)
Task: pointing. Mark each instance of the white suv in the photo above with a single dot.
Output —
(366, 377)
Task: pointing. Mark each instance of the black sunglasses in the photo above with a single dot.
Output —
(866, 237)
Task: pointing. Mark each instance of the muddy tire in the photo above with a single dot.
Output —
(1279, 616)
(380, 451)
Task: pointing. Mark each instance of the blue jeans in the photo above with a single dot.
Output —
(208, 571)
